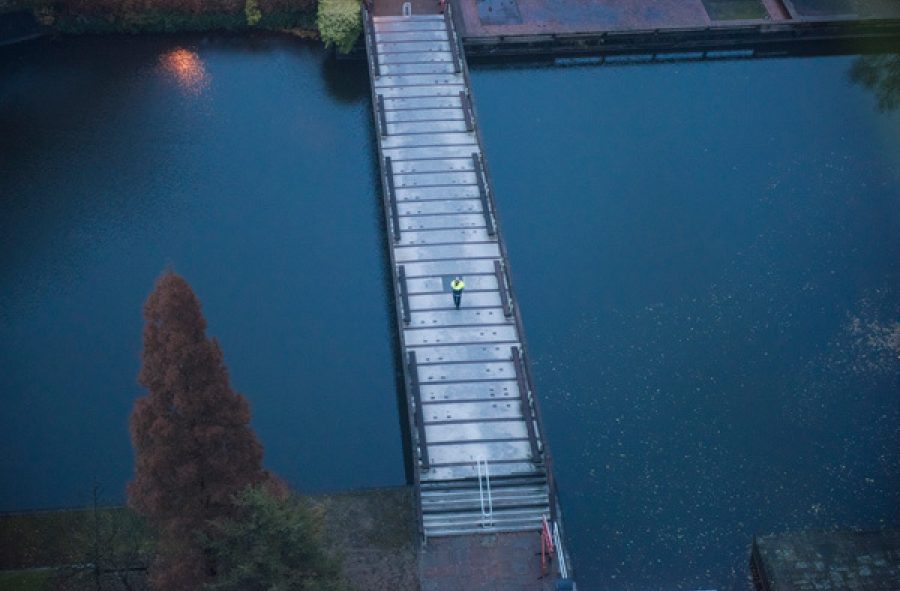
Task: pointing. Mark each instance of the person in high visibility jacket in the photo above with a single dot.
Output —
(457, 286)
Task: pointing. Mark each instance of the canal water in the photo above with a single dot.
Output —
(706, 257)
(247, 166)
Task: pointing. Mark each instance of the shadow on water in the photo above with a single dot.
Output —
(387, 277)
(347, 81)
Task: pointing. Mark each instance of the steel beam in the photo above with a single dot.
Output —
(527, 415)
(482, 193)
(413, 367)
(392, 197)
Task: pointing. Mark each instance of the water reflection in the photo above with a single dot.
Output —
(881, 75)
(186, 67)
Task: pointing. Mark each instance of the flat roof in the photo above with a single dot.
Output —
(827, 560)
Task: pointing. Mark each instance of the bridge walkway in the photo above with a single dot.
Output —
(471, 406)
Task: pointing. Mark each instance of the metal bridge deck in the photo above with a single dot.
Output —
(467, 379)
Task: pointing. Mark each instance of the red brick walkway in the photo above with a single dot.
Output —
(395, 7)
(571, 16)
(489, 18)
(500, 562)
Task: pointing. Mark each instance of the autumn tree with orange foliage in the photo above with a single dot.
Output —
(195, 451)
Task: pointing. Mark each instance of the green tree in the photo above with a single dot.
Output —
(274, 543)
(252, 12)
(339, 23)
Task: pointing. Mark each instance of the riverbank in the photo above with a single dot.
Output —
(28, 19)
(169, 21)
(19, 26)
(372, 531)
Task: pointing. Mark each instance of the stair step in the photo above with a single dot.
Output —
(415, 17)
(471, 521)
(476, 521)
(479, 528)
(505, 490)
(538, 505)
(447, 531)
(496, 482)
(534, 524)
(501, 516)
(439, 505)
(383, 36)
(508, 496)
(420, 68)
(498, 490)
(476, 501)
(474, 497)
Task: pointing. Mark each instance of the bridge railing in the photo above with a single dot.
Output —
(484, 492)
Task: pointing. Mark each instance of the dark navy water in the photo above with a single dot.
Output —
(707, 257)
(245, 165)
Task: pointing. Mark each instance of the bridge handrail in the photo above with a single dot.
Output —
(484, 487)
(561, 556)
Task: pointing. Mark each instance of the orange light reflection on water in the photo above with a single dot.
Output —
(187, 69)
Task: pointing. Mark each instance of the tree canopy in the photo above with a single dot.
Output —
(194, 447)
(273, 543)
(339, 23)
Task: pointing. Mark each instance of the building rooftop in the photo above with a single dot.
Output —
(827, 560)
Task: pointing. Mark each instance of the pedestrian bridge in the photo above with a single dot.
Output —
(481, 462)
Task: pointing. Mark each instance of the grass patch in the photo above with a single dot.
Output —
(732, 10)
(373, 532)
(42, 538)
(26, 580)
(55, 538)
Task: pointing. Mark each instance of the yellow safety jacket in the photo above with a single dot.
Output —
(457, 285)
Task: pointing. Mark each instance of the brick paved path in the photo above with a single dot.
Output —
(500, 562)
